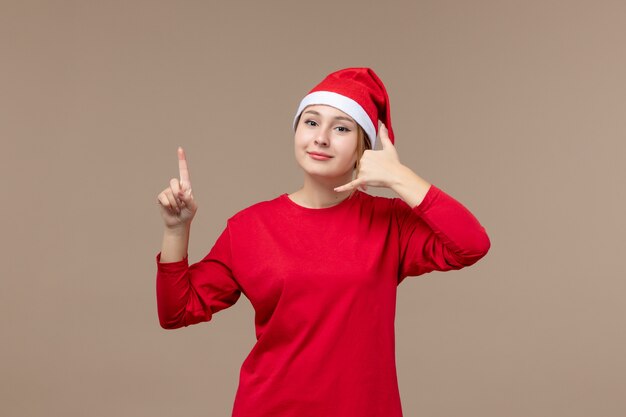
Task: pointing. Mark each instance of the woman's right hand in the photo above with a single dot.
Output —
(176, 201)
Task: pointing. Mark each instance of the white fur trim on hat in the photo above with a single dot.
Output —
(343, 103)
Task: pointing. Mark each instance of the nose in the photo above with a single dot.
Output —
(322, 138)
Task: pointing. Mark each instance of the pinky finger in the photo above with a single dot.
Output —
(349, 186)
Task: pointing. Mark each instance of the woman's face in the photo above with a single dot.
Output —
(326, 142)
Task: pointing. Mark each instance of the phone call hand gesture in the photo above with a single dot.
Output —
(380, 168)
(176, 201)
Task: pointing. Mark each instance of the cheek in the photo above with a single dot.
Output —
(299, 139)
(299, 147)
(350, 149)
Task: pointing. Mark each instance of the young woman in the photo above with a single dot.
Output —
(321, 265)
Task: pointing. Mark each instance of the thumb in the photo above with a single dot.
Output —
(385, 141)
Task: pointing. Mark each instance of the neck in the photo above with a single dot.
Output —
(318, 192)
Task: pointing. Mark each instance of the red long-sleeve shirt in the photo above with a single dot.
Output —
(323, 286)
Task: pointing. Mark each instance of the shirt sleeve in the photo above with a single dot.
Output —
(192, 294)
(438, 234)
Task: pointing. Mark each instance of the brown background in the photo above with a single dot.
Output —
(515, 108)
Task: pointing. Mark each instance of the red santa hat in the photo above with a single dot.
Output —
(359, 93)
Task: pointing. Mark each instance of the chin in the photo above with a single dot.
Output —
(329, 175)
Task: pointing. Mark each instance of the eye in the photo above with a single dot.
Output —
(307, 122)
(345, 129)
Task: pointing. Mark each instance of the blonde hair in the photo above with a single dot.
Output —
(363, 143)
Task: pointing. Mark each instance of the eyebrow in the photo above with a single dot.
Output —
(336, 117)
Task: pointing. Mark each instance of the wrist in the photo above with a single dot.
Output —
(178, 230)
(401, 177)
(410, 187)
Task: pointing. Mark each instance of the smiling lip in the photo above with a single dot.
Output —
(319, 156)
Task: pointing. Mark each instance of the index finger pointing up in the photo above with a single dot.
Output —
(183, 171)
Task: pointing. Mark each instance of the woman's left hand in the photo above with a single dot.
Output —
(378, 168)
